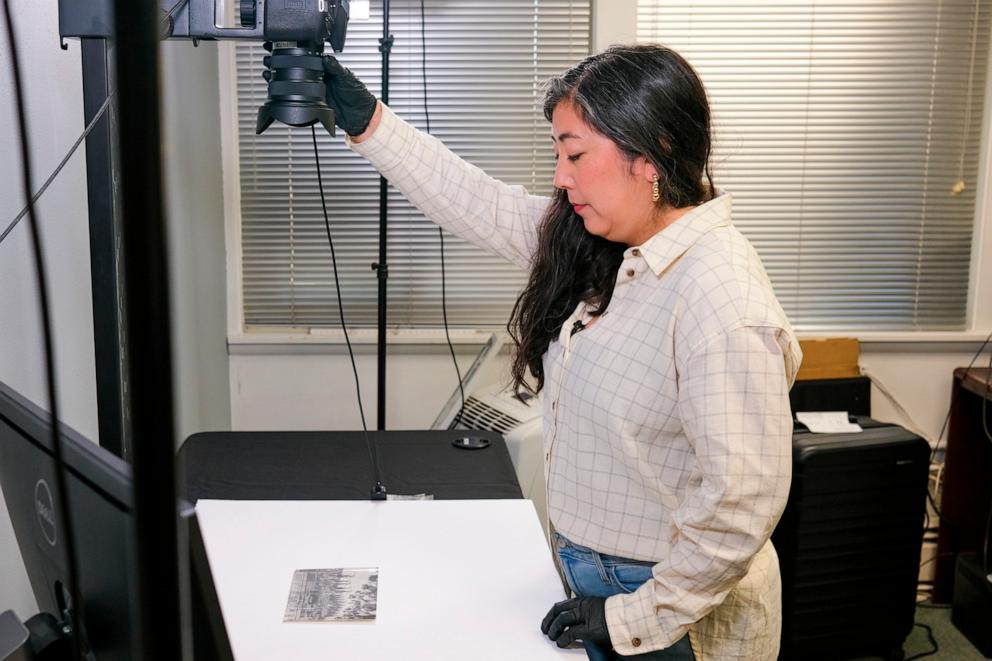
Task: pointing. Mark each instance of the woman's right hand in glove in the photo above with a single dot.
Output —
(354, 106)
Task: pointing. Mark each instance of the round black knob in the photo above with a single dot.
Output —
(247, 13)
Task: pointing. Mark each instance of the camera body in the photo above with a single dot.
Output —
(297, 28)
(312, 21)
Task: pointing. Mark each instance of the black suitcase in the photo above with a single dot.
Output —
(849, 542)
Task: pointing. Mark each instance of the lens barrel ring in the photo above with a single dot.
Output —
(296, 89)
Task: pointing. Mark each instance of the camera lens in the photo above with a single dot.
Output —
(296, 90)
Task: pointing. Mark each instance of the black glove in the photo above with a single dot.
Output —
(577, 619)
(351, 101)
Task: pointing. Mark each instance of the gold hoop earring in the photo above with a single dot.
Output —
(655, 190)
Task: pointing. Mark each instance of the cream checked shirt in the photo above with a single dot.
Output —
(668, 432)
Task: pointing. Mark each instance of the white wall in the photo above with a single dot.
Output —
(617, 25)
(55, 117)
(305, 391)
(195, 206)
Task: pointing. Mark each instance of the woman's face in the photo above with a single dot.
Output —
(609, 192)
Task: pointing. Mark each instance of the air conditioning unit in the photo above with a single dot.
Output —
(491, 404)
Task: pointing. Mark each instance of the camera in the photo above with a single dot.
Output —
(295, 32)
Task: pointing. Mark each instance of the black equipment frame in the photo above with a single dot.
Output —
(148, 337)
(103, 200)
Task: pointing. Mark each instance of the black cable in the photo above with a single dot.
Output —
(933, 642)
(76, 605)
(943, 427)
(51, 178)
(337, 284)
(167, 24)
(440, 232)
(344, 326)
(985, 547)
(985, 427)
(940, 607)
(179, 3)
(985, 401)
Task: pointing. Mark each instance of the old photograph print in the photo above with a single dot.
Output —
(333, 595)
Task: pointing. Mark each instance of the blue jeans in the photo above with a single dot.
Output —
(592, 574)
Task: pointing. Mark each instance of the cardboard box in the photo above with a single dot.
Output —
(833, 358)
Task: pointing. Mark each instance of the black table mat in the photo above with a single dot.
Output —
(337, 466)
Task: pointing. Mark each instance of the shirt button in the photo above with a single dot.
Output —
(635, 252)
(636, 642)
(630, 273)
(554, 406)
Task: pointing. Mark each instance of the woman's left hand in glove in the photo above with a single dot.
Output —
(582, 619)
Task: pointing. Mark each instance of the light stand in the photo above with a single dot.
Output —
(381, 267)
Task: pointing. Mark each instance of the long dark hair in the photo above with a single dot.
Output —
(649, 101)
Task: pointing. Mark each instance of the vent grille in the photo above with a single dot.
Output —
(479, 415)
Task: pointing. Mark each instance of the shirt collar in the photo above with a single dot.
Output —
(671, 242)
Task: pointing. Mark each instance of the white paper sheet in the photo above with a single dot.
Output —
(457, 579)
(827, 422)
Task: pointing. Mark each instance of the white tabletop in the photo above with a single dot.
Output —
(459, 580)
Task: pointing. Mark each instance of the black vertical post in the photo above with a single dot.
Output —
(148, 332)
(105, 239)
(382, 267)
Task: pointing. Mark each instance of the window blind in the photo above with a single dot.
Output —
(485, 64)
(849, 133)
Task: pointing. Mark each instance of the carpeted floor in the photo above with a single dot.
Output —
(952, 644)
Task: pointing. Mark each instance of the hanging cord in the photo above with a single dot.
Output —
(985, 400)
(911, 424)
(805, 161)
(933, 643)
(168, 21)
(985, 427)
(916, 429)
(943, 427)
(440, 232)
(959, 185)
(373, 457)
(985, 547)
(75, 606)
(51, 178)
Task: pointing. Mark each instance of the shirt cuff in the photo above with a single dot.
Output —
(634, 626)
(391, 141)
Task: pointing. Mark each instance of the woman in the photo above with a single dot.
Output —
(667, 421)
